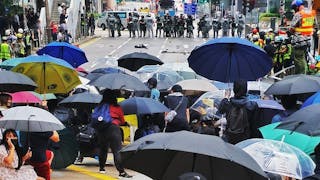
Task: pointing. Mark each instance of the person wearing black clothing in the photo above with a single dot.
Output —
(270, 48)
(143, 27)
(239, 100)
(180, 121)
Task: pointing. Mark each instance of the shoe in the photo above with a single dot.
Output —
(102, 171)
(125, 175)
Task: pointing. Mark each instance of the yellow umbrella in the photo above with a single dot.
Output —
(52, 75)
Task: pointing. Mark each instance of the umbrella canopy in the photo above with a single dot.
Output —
(302, 141)
(192, 86)
(136, 60)
(25, 97)
(305, 121)
(107, 70)
(30, 119)
(142, 105)
(81, 100)
(229, 59)
(208, 102)
(119, 81)
(67, 150)
(47, 96)
(181, 152)
(68, 52)
(15, 82)
(182, 69)
(295, 84)
(269, 104)
(314, 99)
(279, 157)
(51, 74)
(9, 64)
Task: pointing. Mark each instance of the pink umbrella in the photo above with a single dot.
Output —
(25, 97)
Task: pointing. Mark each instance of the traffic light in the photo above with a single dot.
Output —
(251, 5)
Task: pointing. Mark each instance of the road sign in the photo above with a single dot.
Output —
(190, 8)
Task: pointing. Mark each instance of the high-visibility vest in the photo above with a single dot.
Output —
(28, 40)
(307, 22)
(5, 51)
(22, 50)
(287, 55)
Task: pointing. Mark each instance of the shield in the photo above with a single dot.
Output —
(196, 86)
(51, 74)
(279, 157)
(229, 59)
(142, 105)
(81, 100)
(295, 84)
(119, 81)
(15, 82)
(25, 97)
(29, 119)
(68, 52)
(182, 152)
(136, 60)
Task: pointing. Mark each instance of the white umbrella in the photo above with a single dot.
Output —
(192, 86)
(30, 119)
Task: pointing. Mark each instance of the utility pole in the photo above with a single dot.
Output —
(47, 28)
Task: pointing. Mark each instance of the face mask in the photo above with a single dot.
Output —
(14, 142)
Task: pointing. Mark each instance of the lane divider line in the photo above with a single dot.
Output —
(90, 173)
(112, 52)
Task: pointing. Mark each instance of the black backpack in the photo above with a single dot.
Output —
(237, 124)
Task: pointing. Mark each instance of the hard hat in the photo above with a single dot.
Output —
(254, 30)
(255, 37)
(20, 30)
(4, 38)
(296, 3)
(270, 29)
(7, 32)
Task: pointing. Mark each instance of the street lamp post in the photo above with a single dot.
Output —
(48, 29)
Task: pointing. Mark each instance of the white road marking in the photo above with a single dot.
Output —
(119, 47)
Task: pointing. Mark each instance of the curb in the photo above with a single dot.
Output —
(85, 40)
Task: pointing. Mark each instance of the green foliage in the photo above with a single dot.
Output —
(7, 8)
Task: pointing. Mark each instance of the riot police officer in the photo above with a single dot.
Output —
(119, 25)
(130, 26)
(111, 22)
(216, 26)
(159, 26)
(190, 27)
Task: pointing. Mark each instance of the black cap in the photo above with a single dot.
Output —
(176, 88)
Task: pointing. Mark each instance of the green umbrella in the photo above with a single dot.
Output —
(47, 96)
(302, 141)
(67, 150)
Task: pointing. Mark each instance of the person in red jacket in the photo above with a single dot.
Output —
(111, 136)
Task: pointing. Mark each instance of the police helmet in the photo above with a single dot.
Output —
(7, 32)
(296, 3)
(4, 38)
(278, 39)
(153, 82)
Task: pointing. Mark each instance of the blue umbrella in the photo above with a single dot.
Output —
(68, 52)
(142, 105)
(314, 99)
(228, 59)
(10, 63)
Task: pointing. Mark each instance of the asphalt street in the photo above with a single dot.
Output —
(100, 50)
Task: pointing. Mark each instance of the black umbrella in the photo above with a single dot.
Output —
(295, 84)
(169, 155)
(66, 150)
(305, 121)
(142, 105)
(107, 70)
(81, 100)
(136, 60)
(119, 81)
(15, 82)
